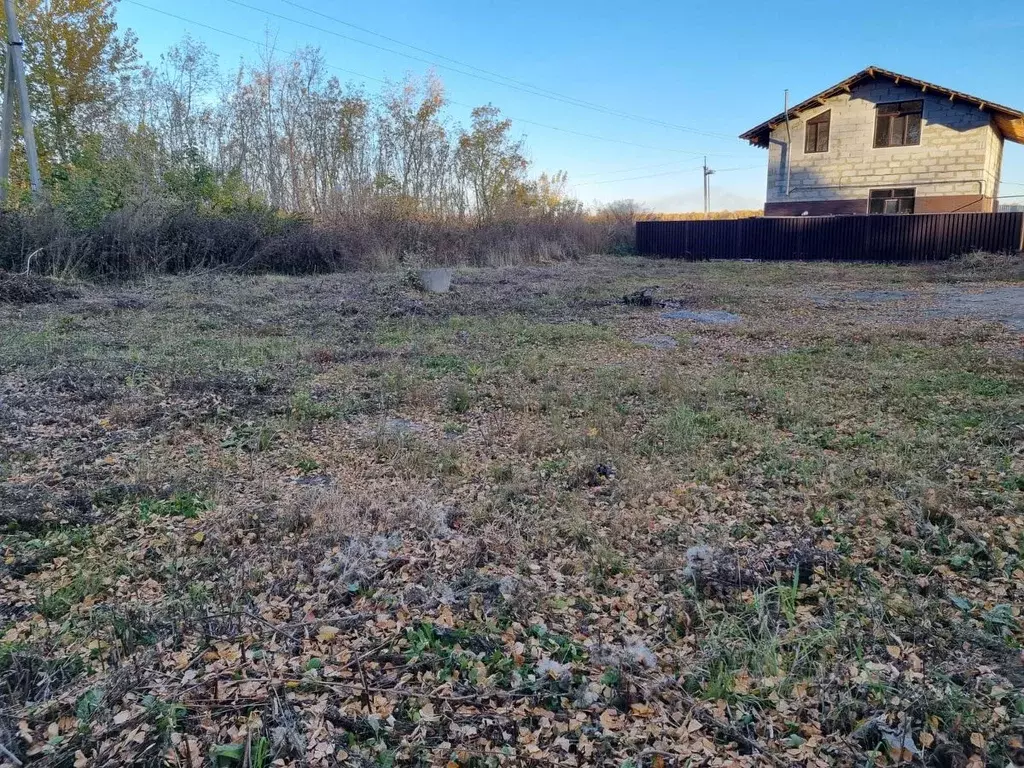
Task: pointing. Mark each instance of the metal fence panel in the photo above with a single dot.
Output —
(920, 237)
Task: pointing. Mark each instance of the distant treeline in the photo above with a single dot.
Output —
(278, 166)
(699, 215)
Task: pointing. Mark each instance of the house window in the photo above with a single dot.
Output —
(898, 124)
(816, 136)
(891, 201)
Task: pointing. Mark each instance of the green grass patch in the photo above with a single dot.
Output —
(187, 505)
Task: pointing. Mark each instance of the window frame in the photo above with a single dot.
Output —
(892, 111)
(825, 118)
(909, 193)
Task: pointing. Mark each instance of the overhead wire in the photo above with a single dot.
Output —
(526, 121)
(631, 170)
(511, 82)
(665, 173)
(636, 178)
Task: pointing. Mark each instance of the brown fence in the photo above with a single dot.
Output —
(920, 237)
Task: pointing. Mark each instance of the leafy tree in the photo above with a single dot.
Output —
(493, 162)
(93, 185)
(78, 65)
(547, 195)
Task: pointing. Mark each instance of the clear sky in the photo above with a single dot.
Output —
(717, 68)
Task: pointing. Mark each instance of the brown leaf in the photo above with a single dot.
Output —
(610, 720)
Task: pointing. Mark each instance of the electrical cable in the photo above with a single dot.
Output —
(512, 82)
(450, 101)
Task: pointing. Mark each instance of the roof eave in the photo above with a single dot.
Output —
(759, 136)
(1009, 122)
(1011, 128)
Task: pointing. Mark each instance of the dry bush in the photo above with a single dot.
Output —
(616, 224)
(160, 238)
(980, 266)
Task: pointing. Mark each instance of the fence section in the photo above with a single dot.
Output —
(920, 237)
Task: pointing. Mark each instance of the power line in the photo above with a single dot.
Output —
(665, 173)
(450, 101)
(235, 35)
(637, 178)
(486, 75)
(630, 170)
(512, 82)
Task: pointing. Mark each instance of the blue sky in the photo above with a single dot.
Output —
(717, 68)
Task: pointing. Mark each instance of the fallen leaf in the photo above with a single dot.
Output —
(327, 633)
(610, 720)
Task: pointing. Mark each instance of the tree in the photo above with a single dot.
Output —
(622, 213)
(78, 67)
(189, 70)
(619, 219)
(414, 151)
(492, 161)
(547, 195)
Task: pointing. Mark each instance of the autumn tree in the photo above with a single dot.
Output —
(548, 196)
(78, 67)
(493, 162)
(414, 157)
(282, 130)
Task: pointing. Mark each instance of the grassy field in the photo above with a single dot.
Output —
(254, 521)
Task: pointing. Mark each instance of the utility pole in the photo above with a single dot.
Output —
(14, 77)
(707, 188)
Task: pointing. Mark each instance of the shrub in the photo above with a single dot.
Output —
(163, 237)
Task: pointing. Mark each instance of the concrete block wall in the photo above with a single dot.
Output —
(994, 161)
(959, 156)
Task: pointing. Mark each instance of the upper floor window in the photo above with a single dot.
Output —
(817, 130)
(898, 124)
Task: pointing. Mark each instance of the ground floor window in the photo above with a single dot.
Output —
(891, 201)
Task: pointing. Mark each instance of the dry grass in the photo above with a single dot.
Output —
(332, 519)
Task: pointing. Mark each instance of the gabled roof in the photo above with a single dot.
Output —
(1010, 122)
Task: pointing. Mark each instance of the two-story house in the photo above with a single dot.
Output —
(881, 142)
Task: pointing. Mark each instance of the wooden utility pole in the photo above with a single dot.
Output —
(14, 78)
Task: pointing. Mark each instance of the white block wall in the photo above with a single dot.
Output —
(960, 151)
